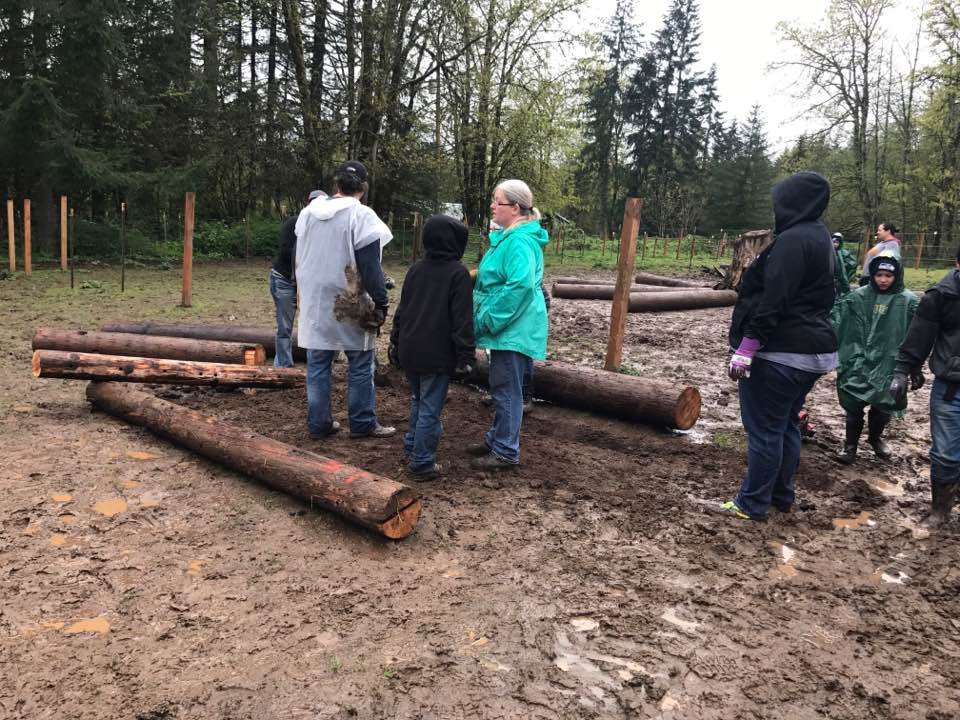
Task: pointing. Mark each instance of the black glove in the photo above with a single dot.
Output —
(917, 380)
(898, 389)
(393, 355)
(376, 319)
(463, 371)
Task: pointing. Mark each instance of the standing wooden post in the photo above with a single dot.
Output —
(417, 228)
(679, 242)
(73, 246)
(246, 238)
(27, 250)
(123, 247)
(63, 233)
(621, 294)
(920, 248)
(188, 204)
(11, 241)
(643, 250)
(693, 249)
(603, 246)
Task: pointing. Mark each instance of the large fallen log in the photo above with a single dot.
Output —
(130, 345)
(375, 502)
(228, 333)
(605, 292)
(651, 279)
(91, 366)
(690, 300)
(628, 397)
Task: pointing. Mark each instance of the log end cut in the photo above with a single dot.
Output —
(35, 363)
(403, 523)
(687, 410)
(255, 355)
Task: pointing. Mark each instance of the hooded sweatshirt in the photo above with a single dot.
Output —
(871, 323)
(509, 312)
(433, 325)
(332, 234)
(936, 327)
(788, 291)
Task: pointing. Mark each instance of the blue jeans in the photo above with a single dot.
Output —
(527, 381)
(428, 393)
(770, 401)
(506, 389)
(945, 432)
(360, 391)
(285, 299)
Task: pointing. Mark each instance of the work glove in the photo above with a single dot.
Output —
(898, 389)
(376, 319)
(743, 358)
(917, 380)
(393, 355)
(463, 371)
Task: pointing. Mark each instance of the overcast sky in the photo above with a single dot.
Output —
(740, 37)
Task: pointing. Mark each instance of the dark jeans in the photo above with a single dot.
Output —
(945, 433)
(527, 381)
(361, 396)
(428, 393)
(770, 401)
(284, 295)
(506, 389)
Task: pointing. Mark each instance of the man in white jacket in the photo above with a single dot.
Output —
(339, 247)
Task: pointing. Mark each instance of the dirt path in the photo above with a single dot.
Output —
(142, 582)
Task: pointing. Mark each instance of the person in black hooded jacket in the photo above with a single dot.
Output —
(432, 336)
(935, 332)
(784, 341)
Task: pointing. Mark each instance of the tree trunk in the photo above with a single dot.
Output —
(130, 345)
(378, 503)
(569, 291)
(745, 249)
(627, 397)
(91, 366)
(227, 333)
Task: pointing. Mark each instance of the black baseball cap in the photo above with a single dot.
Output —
(353, 167)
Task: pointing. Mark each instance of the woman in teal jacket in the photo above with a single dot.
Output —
(510, 316)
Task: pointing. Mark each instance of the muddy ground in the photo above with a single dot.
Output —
(140, 581)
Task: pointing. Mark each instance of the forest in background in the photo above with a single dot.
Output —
(251, 103)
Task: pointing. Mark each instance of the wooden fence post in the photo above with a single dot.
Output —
(11, 240)
(643, 250)
(679, 240)
(417, 226)
(693, 249)
(621, 293)
(123, 247)
(63, 233)
(189, 202)
(27, 249)
(920, 248)
(73, 246)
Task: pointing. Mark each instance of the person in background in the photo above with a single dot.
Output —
(337, 238)
(935, 332)
(888, 243)
(846, 270)
(432, 336)
(510, 317)
(870, 323)
(784, 342)
(283, 288)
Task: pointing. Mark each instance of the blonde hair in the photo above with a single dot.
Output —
(517, 191)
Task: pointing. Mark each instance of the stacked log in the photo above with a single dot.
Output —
(651, 279)
(227, 333)
(129, 345)
(375, 502)
(604, 291)
(91, 366)
(627, 397)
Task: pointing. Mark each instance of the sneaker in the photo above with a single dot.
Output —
(478, 450)
(429, 474)
(334, 429)
(492, 462)
(377, 431)
(732, 509)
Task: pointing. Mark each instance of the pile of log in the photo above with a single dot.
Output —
(229, 333)
(648, 297)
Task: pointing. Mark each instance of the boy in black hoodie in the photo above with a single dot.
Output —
(432, 335)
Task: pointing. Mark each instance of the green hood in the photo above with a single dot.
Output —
(509, 312)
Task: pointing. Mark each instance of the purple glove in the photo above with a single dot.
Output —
(743, 358)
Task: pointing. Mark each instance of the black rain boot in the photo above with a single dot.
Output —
(876, 422)
(943, 496)
(854, 428)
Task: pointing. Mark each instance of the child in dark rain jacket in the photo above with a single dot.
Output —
(432, 337)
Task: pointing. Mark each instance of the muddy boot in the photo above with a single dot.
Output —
(943, 496)
(876, 422)
(854, 428)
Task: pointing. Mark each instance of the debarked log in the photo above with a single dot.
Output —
(91, 366)
(605, 292)
(651, 279)
(131, 345)
(383, 505)
(690, 300)
(628, 397)
(228, 333)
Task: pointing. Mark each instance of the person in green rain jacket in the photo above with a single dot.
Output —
(846, 268)
(871, 322)
(510, 316)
